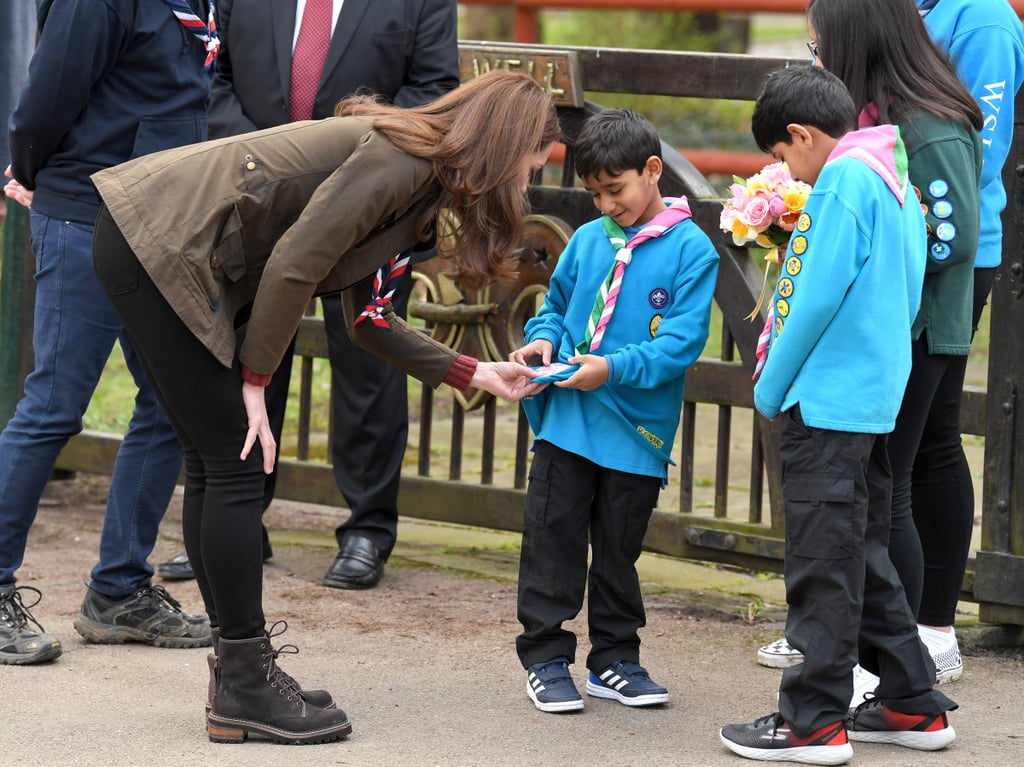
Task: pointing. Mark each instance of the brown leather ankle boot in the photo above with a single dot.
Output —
(319, 698)
(255, 697)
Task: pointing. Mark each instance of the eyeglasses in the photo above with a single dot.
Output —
(812, 46)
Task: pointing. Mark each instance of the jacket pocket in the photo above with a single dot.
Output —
(229, 251)
(155, 135)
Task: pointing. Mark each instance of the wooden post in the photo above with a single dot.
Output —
(999, 571)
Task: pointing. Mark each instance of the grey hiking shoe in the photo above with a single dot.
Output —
(150, 615)
(20, 644)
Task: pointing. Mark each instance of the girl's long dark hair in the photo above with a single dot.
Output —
(476, 137)
(882, 51)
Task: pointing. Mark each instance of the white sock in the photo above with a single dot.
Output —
(936, 641)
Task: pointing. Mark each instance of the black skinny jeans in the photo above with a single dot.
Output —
(933, 491)
(223, 499)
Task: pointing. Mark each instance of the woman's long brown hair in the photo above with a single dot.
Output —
(476, 136)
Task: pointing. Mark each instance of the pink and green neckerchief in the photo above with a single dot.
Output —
(604, 304)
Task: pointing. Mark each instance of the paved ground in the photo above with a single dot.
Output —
(425, 664)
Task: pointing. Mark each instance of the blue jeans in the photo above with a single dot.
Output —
(74, 333)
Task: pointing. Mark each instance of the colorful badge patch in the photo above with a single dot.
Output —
(803, 223)
(798, 245)
(658, 298)
(655, 324)
(917, 193)
(654, 439)
(945, 231)
(782, 307)
(778, 325)
(940, 251)
(938, 188)
(793, 266)
(942, 209)
(785, 287)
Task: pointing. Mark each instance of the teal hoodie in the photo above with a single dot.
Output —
(849, 291)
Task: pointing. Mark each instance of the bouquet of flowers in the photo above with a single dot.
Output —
(764, 210)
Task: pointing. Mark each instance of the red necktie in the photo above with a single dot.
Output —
(308, 58)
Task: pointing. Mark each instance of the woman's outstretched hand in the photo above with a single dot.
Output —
(259, 426)
(508, 380)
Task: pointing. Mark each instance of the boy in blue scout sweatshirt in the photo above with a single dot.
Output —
(837, 365)
(626, 314)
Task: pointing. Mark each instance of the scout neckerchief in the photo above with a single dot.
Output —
(384, 283)
(604, 304)
(763, 341)
(204, 30)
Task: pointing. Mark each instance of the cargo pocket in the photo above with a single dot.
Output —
(536, 507)
(819, 515)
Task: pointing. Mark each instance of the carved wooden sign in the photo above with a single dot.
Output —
(558, 71)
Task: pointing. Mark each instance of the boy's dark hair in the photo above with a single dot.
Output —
(614, 141)
(804, 95)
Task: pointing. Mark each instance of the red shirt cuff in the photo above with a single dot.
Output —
(461, 372)
(255, 378)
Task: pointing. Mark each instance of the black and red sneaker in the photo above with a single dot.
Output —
(874, 722)
(771, 740)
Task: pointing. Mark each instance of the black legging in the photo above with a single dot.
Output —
(933, 492)
(223, 498)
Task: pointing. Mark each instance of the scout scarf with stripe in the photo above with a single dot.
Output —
(206, 31)
(604, 304)
(387, 278)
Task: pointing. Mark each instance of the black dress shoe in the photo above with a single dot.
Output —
(179, 568)
(357, 566)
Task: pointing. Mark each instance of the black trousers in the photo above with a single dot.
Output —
(932, 527)
(845, 598)
(369, 426)
(569, 498)
(223, 499)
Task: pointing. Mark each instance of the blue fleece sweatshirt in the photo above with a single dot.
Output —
(658, 330)
(110, 80)
(848, 292)
(983, 39)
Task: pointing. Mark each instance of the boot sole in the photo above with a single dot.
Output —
(102, 633)
(226, 730)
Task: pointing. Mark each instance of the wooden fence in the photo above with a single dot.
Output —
(468, 463)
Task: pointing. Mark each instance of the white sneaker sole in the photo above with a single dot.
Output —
(557, 707)
(802, 754)
(920, 741)
(770, 656)
(638, 701)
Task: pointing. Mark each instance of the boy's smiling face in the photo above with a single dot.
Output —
(630, 198)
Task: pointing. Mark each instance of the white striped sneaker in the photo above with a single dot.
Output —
(628, 683)
(551, 688)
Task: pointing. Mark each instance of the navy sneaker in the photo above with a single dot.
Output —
(551, 688)
(628, 683)
(874, 722)
(770, 739)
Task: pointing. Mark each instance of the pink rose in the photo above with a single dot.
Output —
(758, 213)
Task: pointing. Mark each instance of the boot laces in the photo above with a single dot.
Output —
(13, 609)
(274, 672)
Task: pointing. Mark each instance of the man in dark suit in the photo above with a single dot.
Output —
(405, 51)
